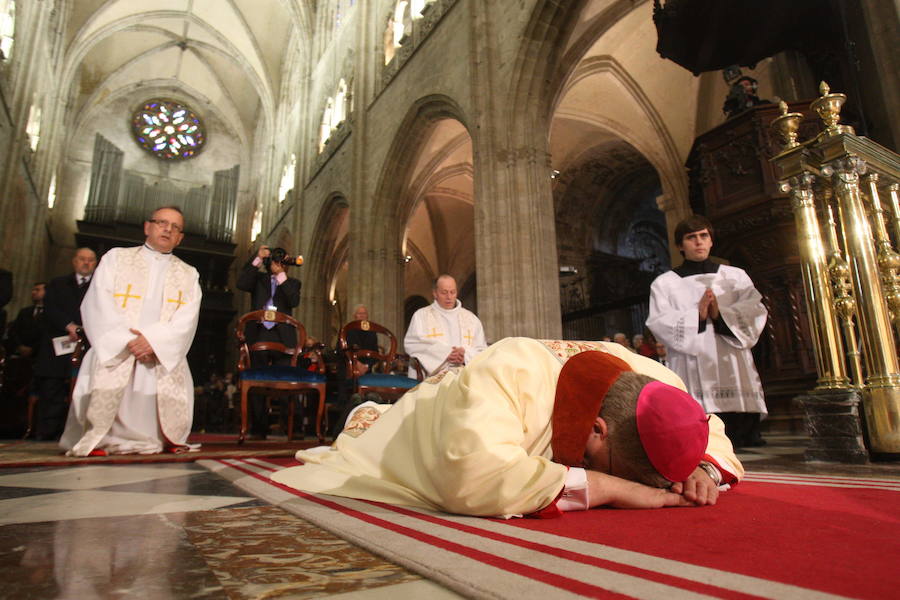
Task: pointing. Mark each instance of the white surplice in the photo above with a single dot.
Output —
(717, 369)
(119, 404)
(434, 331)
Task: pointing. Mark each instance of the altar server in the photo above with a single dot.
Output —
(709, 316)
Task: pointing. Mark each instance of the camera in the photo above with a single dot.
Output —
(281, 256)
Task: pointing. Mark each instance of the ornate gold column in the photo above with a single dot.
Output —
(844, 304)
(822, 320)
(832, 373)
(882, 400)
(888, 259)
(836, 163)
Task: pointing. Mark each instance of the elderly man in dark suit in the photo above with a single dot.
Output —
(62, 317)
(269, 289)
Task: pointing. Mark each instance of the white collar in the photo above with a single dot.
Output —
(155, 254)
(447, 310)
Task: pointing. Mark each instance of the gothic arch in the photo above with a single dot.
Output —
(328, 253)
(412, 133)
(397, 196)
(667, 163)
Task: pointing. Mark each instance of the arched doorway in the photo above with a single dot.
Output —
(325, 289)
(613, 242)
(618, 139)
(440, 233)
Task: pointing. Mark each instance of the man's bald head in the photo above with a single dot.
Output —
(445, 292)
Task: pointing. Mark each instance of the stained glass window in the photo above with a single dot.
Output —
(168, 130)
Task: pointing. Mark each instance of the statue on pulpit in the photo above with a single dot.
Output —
(742, 94)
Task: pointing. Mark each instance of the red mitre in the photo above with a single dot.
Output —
(580, 390)
(672, 426)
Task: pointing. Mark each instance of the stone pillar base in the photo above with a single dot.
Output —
(833, 422)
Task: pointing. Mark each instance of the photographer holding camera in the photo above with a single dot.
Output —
(270, 289)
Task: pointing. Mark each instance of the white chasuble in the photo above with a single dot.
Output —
(434, 331)
(119, 404)
(474, 442)
(718, 369)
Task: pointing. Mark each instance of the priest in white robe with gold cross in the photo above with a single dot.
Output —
(134, 393)
(444, 335)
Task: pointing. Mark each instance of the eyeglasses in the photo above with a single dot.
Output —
(163, 224)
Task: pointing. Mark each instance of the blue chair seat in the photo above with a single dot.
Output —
(382, 380)
(282, 373)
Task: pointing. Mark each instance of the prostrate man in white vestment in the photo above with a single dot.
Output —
(709, 316)
(134, 393)
(528, 427)
(444, 335)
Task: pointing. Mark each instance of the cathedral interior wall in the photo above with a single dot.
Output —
(531, 87)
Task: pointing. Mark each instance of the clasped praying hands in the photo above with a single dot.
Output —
(708, 306)
(141, 349)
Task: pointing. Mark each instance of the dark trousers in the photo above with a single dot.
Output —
(742, 428)
(52, 407)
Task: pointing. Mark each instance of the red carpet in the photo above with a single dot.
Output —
(47, 454)
(773, 536)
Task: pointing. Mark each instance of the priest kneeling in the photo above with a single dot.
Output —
(533, 427)
(134, 393)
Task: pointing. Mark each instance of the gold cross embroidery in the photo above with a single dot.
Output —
(177, 300)
(468, 336)
(126, 296)
(435, 333)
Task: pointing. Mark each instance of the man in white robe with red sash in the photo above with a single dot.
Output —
(533, 427)
(444, 335)
(134, 393)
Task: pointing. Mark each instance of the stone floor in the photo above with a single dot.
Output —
(178, 531)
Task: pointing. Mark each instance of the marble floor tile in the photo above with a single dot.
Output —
(199, 483)
(85, 478)
(81, 504)
(146, 557)
(265, 552)
(22, 492)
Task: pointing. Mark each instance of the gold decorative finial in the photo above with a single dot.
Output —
(786, 126)
(829, 109)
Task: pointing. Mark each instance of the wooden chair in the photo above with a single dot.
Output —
(380, 378)
(279, 379)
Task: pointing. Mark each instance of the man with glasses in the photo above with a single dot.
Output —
(134, 393)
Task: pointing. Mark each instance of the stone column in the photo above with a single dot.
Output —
(515, 242)
(674, 212)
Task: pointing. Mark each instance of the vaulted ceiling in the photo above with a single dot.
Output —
(227, 55)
